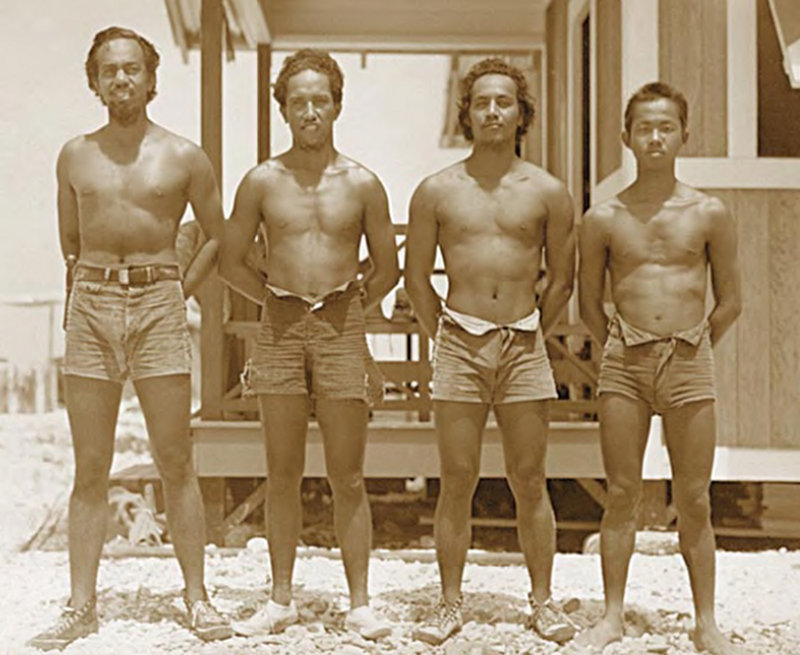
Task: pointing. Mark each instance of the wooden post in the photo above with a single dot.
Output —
(211, 334)
(264, 54)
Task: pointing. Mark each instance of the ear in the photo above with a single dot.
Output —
(337, 109)
(282, 109)
(685, 135)
(626, 138)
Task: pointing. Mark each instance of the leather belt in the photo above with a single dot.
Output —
(130, 276)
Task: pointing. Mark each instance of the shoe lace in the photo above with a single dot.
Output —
(70, 616)
(445, 612)
(547, 612)
(204, 612)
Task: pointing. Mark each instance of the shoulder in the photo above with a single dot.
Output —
(358, 175)
(599, 218)
(443, 181)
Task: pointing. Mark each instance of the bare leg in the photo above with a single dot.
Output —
(624, 426)
(166, 404)
(524, 428)
(284, 419)
(344, 429)
(92, 406)
(459, 432)
(690, 432)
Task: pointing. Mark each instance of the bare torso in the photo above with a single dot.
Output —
(658, 260)
(129, 199)
(491, 239)
(314, 223)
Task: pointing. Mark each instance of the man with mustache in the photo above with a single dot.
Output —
(492, 215)
(122, 191)
(657, 241)
(313, 205)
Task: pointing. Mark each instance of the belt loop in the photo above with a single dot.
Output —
(150, 276)
(124, 277)
(106, 274)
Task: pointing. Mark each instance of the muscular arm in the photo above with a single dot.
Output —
(724, 263)
(378, 230)
(592, 275)
(240, 230)
(423, 233)
(68, 232)
(559, 257)
(206, 203)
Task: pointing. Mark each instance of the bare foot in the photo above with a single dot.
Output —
(711, 640)
(602, 633)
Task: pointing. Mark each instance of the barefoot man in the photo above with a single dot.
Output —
(314, 205)
(492, 215)
(122, 191)
(657, 241)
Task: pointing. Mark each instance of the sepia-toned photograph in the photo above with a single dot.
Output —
(374, 327)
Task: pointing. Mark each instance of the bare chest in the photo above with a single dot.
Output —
(475, 214)
(149, 181)
(669, 238)
(330, 208)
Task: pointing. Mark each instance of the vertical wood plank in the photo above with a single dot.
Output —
(211, 336)
(609, 87)
(263, 69)
(784, 247)
(693, 58)
(556, 45)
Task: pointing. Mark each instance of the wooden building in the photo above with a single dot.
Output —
(590, 55)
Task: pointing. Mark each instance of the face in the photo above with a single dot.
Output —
(494, 113)
(310, 110)
(656, 134)
(123, 81)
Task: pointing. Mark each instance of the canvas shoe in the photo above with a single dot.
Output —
(364, 622)
(205, 621)
(441, 624)
(270, 619)
(550, 622)
(73, 624)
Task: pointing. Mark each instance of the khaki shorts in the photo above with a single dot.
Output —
(115, 331)
(502, 366)
(316, 350)
(663, 372)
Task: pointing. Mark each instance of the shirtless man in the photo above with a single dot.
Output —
(657, 240)
(122, 191)
(492, 215)
(313, 204)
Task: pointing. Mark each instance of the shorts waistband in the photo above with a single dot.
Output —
(635, 336)
(319, 301)
(479, 326)
(129, 276)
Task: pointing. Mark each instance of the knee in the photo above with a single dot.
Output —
(347, 486)
(175, 466)
(693, 505)
(528, 484)
(459, 481)
(284, 482)
(623, 499)
(91, 478)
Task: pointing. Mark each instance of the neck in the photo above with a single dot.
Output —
(127, 129)
(492, 159)
(316, 159)
(655, 185)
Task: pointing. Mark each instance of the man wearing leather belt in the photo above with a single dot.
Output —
(122, 191)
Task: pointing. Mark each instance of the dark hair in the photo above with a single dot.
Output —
(656, 91)
(151, 57)
(309, 59)
(495, 66)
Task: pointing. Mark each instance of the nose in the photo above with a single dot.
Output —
(309, 109)
(120, 76)
(492, 107)
(655, 135)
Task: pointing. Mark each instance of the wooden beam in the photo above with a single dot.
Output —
(264, 66)
(211, 334)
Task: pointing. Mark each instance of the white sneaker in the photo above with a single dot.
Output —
(441, 624)
(364, 622)
(270, 619)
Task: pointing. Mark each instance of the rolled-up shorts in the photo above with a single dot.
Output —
(502, 366)
(116, 331)
(317, 350)
(664, 372)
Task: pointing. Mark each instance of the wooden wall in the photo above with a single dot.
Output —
(557, 109)
(693, 57)
(608, 67)
(758, 362)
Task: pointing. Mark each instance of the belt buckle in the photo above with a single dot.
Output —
(124, 276)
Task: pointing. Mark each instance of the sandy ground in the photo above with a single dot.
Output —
(139, 597)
